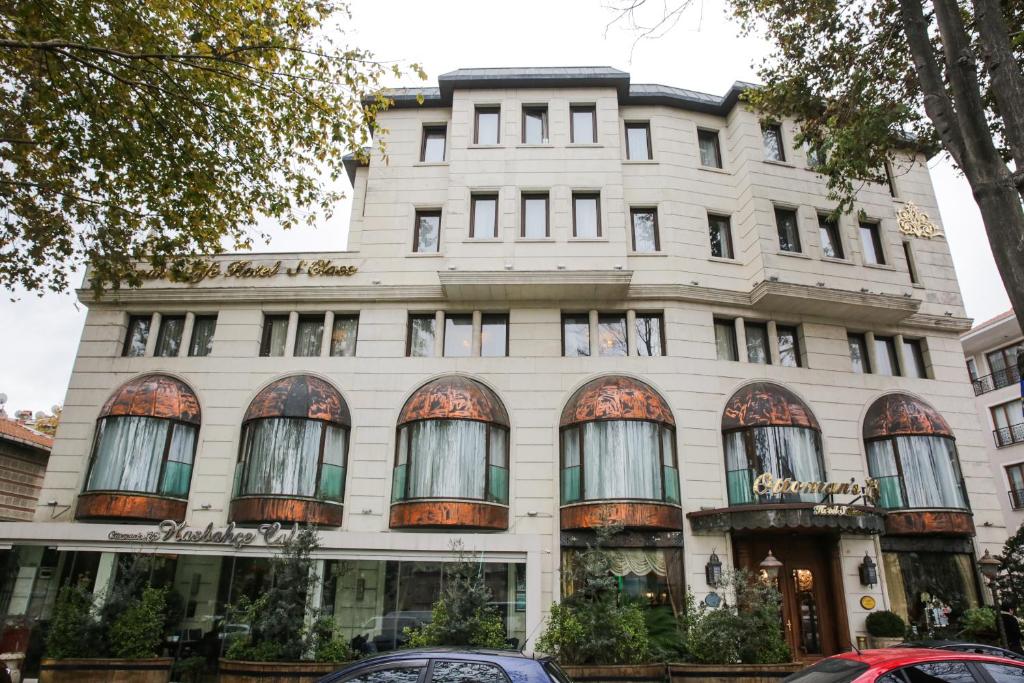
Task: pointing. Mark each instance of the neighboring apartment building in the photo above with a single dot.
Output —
(23, 456)
(568, 299)
(991, 350)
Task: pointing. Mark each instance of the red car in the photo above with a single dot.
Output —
(910, 665)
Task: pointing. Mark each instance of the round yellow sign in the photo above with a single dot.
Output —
(867, 602)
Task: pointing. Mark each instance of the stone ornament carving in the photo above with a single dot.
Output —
(914, 222)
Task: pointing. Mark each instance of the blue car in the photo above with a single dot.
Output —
(441, 665)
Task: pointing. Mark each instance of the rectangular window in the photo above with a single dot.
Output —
(789, 230)
(576, 334)
(494, 335)
(710, 152)
(203, 330)
(275, 333)
(720, 233)
(815, 155)
(535, 125)
(771, 139)
(137, 335)
(488, 120)
(309, 335)
(972, 369)
(1002, 363)
(890, 179)
(913, 354)
(422, 330)
(611, 334)
(725, 340)
(645, 230)
(535, 216)
(432, 148)
(789, 346)
(586, 215)
(885, 356)
(344, 334)
(483, 220)
(638, 141)
(427, 237)
(859, 353)
(168, 341)
(831, 240)
(872, 242)
(757, 344)
(908, 254)
(1008, 420)
(583, 124)
(650, 334)
(458, 336)
(1015, 476)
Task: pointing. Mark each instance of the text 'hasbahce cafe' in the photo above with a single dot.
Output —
(568, 299)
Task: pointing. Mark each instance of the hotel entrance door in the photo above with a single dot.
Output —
(813, 609)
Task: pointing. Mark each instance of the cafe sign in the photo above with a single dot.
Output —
(200, 270)
(170, 531)
(766, 484)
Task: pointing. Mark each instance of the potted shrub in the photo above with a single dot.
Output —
(885, 628)
(120, 640)
(287, 641)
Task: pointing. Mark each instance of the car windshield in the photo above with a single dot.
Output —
(829, 671)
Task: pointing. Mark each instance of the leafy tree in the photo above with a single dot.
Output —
(1010, 579)
(862, 79)
(138, 631)
(73, 630)
(462, 614)
(133, 129)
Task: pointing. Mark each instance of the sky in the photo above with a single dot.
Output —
(704, 52)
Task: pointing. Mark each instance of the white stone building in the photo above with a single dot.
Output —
(567, 298)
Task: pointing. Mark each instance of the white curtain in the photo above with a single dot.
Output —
(178, 475)
(281, 457)
(882, 466)
(308, 336)
(129, 452)
(783, 452)
(448, 459)
(931, 474)
(623, 561)
(621, 460)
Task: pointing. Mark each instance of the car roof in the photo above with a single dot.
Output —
(901, 656)
(514, 662)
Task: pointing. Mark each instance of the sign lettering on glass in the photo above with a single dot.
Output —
(201, 270)
(766, 484)
(170, 531)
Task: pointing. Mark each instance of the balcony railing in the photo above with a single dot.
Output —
(1016, 498)
(997, 380)
(1008, 436)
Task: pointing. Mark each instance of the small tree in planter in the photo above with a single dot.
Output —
(462, 614)
(594, 625)
(885, 628)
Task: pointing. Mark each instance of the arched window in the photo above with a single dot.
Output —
(768, 430)
(452, 444)
(146, 438)
(618, 443)
(295, 441)
(912, 453)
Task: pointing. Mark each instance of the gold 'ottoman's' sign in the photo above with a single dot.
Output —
(916, 223)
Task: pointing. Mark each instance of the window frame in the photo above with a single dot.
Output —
(314, 318)
(865, 357)
(1008, 367)
(916, 348)
(777, 209)
(429, 678)
(646, 127)
(408, 332)
(483, 323)
(633, 211)
(147, 320)
(831, 228)
(266, 332)
(908, 255)
(776, 129)
(596, 196)
(889, 341)
(590, 342)
(192, 338)
(582, 109)
(797, 346)
(461, 316)
(162, 331)
(727, 241)
(533, 110)
(1016, 502)
(355, 343)
(750, 455)
(612, 318)
(534, 196)
(428, 130)
(759, 325)
(727, 322)
(898, 459)
(419, 214)
(660, 317)
(874, 230)
(890, 179)
(419, 665)
(713, 135)
(473, 199)
(486, 109)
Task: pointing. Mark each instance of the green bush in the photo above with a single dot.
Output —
(138, 631)
(336, 650)
(665, 634)
(979, 625)
(74, 631)
(885, 624)
(189, 670)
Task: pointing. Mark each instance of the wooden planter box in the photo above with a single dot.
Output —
(731, 673)
(616, 673)
(236, 671)
(155, 670)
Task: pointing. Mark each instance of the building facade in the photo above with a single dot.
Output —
(991, 351)
(568, 301)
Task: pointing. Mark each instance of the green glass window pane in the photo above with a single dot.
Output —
(236, 487)
(398, 483)
(498, 492)
(177, 476)
(740, 487)
(332, 483)
(671, 485)
(570, 485)
(891, 496)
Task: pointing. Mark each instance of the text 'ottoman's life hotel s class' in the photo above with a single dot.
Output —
(568, 299)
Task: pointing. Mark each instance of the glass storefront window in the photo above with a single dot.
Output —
(652, 577)
(931, 590)
(783, 452)
(917, 472)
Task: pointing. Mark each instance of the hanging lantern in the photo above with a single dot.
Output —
(713, 570)
(868, 571)
(770, 566)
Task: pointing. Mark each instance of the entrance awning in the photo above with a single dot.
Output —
(848, 519)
